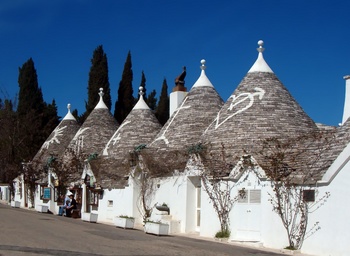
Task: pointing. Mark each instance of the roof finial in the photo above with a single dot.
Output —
(261, 48)
(203, 67)
(101, 92)
(141, 104)
(69, 115)
(260, 64)
(101, 104)
(141, 93)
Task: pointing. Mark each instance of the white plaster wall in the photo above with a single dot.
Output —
(176, 99)
(172, 191)
(123, 204)
(210, 223)
(272, 232)
(333, 217)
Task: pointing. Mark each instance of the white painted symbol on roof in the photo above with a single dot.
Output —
(115, 138)
(243, 98)
(56, 133)
(79, 139)
(163, 137)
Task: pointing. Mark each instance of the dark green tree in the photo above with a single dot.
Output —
(30, 112)
(125, 101)
(9, 167)
(98, 78)
(162, 112)
(50, 118)
(34, 121)
(151, 100)
(30, 96)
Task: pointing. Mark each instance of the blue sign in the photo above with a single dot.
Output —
(47, 193)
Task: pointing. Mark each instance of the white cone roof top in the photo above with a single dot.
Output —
(260, 64)
(101, 103)
(141, 104)
(203, 79)
(69, 115)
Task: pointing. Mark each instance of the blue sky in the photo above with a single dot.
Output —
(307, 45)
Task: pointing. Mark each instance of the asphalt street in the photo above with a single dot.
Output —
(27, 232)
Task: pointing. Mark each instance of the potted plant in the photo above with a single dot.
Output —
(124, 221)
(156, 227)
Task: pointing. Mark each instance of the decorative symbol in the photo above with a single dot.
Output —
(163, 137)
(242, 98)
(79, 139)
(115, 138)
(57, 132)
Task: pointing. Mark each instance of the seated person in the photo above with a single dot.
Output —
(71, 206)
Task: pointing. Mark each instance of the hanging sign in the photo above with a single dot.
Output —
(47, 193)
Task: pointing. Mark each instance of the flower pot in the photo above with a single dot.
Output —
(124, 222)
(43, 208)
(89, 217)
(15, 204)
(159, 229)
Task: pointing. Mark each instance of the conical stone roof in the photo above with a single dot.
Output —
(191, 118)
(260, 107)
(95, 132)
(139, 127)
(58, 140)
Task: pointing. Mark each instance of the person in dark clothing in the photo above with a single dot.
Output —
(72, 206)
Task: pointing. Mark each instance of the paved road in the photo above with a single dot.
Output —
(25, 232)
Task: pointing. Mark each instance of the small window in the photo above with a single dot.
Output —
(243, 198)
(252, 196)
(110, 203)
(309, 195)
(255, 196)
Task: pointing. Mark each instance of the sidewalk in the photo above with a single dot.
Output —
(254, 245)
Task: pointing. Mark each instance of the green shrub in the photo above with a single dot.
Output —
(223, 234)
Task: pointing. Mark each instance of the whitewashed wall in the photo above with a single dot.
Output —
(117, 202)
(334, 216)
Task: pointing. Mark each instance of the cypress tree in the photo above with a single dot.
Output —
(125, 101)
(162, 112)
(98, 78)
(9, 164)
(152, 100)
(36, 118)
(50, 119)
(30, 96)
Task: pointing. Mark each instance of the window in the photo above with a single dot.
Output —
(252, 196)
(309, 195)
(93, 196)
(59, 195)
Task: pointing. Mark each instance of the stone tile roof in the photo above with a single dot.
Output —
(139, 127)
(339, 138)
(95, 132)
(92, 136)
(191, 118)
(261, 107)
(58, 141)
